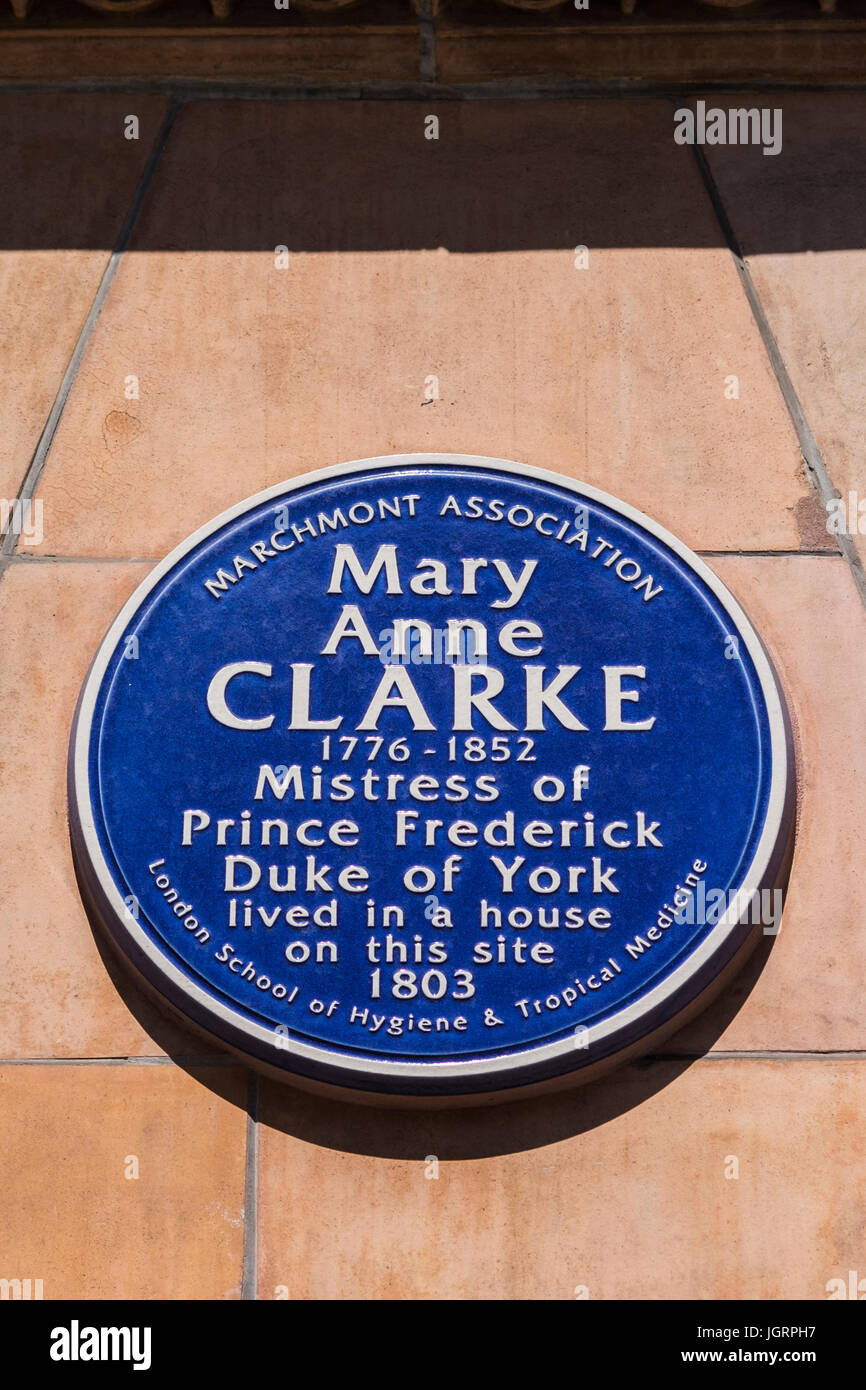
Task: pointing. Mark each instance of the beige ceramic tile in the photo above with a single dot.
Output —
(67, 180)
(61, 998)
(810, 992)
(419, 267)
(619, 1189)
(73, 1214)
(799, 217)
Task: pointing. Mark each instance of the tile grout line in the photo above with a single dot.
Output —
(823, 554)
(37, 463)
(712, 1055)
(250, 1277)
(21, 559)
(756, 1055)
(175, 1060)
(810, 451)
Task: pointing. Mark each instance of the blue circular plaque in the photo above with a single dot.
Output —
(432, 776)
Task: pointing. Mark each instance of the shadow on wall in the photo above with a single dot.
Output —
(451, 1134)
(249, 175)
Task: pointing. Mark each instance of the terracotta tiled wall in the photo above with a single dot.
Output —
(134, 1162)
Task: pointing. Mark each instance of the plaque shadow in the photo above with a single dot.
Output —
(463, 1132)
